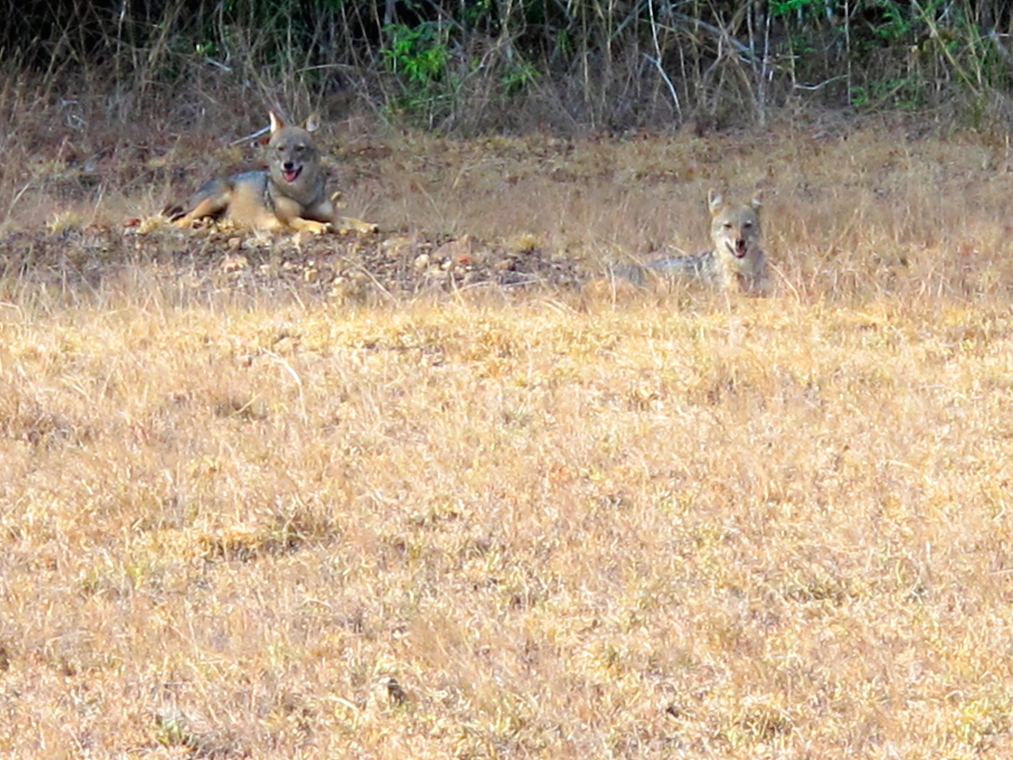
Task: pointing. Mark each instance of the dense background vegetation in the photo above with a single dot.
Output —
(466, 66)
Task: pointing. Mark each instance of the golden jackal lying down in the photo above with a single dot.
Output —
(289, 194)
(734, 260)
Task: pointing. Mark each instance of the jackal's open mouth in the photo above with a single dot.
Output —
(290, 175)
(738, 249)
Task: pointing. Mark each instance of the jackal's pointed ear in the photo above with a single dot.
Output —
(312, 123)
(757, 200)
(276, 122)
(715, 201)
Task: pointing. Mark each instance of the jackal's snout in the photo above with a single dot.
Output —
(735, 240)
(290, 171)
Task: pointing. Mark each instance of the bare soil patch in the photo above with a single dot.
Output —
(346, 266)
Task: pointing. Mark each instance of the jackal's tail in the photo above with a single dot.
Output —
(635, 273)
(173, 212)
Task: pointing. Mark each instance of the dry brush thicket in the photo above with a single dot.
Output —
(480, 523)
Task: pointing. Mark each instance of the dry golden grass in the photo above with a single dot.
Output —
(668, 527)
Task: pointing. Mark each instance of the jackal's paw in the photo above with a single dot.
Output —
(313, 226)
(348, 224)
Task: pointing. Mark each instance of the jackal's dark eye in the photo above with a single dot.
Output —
(728, 225)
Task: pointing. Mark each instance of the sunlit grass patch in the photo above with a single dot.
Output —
(539, 524)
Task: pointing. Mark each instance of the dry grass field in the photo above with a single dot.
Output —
(453, 518)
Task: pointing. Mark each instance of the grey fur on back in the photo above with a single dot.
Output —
(699, 266)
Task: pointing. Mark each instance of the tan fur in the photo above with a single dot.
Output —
(289, 194)
(734, 261)
(735, 241)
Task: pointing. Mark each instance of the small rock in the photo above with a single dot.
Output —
(396, 245)
(464, 246)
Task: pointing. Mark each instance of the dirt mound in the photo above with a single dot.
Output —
(345, 266)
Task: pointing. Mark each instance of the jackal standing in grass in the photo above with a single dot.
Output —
(734, 260)
(289, 194)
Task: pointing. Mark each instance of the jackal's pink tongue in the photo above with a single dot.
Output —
(290, 175)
